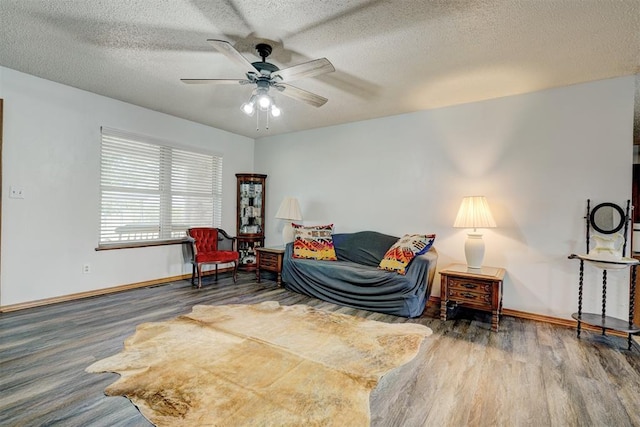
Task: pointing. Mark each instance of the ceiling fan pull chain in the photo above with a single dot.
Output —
(257, 119)
(267, 128)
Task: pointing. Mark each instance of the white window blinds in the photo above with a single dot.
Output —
(151, 191)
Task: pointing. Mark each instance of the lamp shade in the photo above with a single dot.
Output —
(474, 213)
(289, 209)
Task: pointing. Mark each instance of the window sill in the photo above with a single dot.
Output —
(142, 244)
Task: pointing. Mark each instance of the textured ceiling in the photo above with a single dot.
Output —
(390, 56)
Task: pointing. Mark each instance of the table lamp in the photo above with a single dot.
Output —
(289, 210)
(474, 213)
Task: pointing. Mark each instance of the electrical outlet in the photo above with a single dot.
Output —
(86, 268)
(16, 193)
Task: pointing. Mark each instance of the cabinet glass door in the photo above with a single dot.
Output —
(250, 224)
(250, 208)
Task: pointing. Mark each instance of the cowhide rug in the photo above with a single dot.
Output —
(262, 364)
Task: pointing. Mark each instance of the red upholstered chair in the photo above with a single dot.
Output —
(212, 246)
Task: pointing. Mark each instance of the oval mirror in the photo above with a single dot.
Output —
(607, 218)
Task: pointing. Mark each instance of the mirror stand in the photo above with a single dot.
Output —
(607, 219)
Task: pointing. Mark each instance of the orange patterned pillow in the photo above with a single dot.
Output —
(404, 250)
(314, 242)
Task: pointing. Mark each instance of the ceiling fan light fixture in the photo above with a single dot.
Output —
(275, 111)
(264, 101)
(248, 108)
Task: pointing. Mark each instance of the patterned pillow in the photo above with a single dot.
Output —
(313, 242)
(404, 250)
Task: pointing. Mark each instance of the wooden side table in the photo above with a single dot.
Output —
(475, 288)
(270, 259)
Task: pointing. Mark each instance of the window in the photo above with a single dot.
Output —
(151, 191)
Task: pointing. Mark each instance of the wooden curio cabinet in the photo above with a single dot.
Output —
(250, 217)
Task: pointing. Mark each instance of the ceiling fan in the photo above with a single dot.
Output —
(266, 76)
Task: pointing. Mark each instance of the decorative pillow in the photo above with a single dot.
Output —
(313, 242)
(404, 250)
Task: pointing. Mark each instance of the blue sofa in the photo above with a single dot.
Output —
(355, 280)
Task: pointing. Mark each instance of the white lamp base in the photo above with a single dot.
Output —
(474, 250)
(287, 233)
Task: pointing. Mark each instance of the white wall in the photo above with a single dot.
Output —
(52, 152)
(536, 157)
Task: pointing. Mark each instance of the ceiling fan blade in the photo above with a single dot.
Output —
(215, 81)
(231, 53)
(306, 69)
(301, 95)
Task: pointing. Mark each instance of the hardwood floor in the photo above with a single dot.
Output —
(529, 373)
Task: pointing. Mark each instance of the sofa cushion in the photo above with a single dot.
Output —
(313, 242)
(404, 250)
(364, 247)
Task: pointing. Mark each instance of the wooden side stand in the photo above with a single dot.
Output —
(269, 259)
(479, 289)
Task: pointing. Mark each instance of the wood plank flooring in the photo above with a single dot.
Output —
(528, 374)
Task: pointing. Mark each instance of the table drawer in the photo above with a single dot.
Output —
(470, 286)
(268, 260)
(470, 297)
